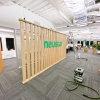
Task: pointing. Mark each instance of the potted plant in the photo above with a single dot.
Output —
(94, 48)
(98, 48)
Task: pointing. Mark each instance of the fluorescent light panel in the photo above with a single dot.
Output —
(5, 30)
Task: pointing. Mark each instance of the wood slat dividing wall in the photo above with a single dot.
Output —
(38, 58)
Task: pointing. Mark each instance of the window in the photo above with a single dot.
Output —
(10, 43)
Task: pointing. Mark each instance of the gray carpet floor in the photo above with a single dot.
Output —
(50, 85)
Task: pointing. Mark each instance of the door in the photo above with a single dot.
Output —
(1, 60)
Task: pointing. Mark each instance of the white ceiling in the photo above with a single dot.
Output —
(59, 13)
(62, 13)
(55, 11)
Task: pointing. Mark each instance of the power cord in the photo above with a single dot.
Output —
(85, 95)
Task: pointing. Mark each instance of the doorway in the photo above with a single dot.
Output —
(82, 43)
(87, 43)
(91, 42)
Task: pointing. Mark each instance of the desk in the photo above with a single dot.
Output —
(8, 54)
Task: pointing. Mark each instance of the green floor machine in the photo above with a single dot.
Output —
(79, 75)
(78, 79)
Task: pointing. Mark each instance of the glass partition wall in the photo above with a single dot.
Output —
(18, 47)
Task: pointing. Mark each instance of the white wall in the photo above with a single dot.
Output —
(9, 16)
(5, 53)
(3, 36)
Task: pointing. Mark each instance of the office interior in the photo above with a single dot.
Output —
(32, 69)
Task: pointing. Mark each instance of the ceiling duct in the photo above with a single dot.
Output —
(78, 10)
(93, 8)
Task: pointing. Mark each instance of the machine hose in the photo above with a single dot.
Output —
(85, 95)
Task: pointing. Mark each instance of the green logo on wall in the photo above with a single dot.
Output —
(52, 44)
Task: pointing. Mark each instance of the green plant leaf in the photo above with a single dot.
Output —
(98, 47)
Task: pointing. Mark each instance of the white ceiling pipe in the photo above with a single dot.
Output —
(93, 7)
(60, 13)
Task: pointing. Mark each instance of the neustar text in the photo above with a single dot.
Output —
(52, 44)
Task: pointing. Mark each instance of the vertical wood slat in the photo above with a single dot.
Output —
(64, 47)
(32, 49)
(27, 49)
(46, 49)
(50, 51)
(59, 47)
(23, 50)
(38, 49)
(42, 49)
(65, 44)
(35, 31)
(56, 47)
(52, 47)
